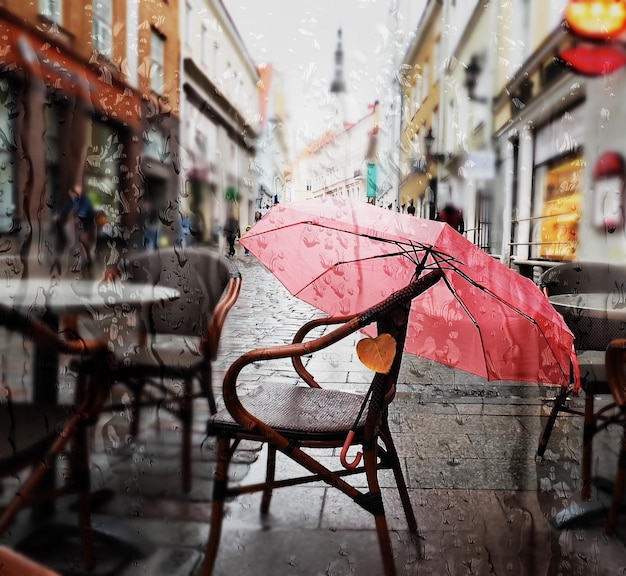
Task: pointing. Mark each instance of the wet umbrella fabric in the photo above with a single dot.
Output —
(343, 256)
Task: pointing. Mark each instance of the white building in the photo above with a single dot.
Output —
(219, 117)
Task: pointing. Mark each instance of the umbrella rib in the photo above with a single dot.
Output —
(510, 306)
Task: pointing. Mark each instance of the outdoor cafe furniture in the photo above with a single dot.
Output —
(590, 297)
(49, 300)
(297, 420)
(179, 339)
(34, 434)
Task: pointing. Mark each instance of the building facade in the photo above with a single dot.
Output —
(419, 78)
(529, 149)
(220, 120)
(89, 97)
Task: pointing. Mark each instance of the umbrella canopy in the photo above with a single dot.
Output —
(343, 256)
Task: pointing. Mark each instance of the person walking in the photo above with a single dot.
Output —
(232, 232)
(451, 215)
(80, 208)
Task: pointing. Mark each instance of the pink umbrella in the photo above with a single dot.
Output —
(343, 256)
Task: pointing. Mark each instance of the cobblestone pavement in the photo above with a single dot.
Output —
(482, 500)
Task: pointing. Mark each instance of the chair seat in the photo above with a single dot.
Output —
(162, 356)
(25, 429)
(296, 411)
(169, 353)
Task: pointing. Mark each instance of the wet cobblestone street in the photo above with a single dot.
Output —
(468, 447)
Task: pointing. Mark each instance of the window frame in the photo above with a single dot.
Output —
(102, 11)
(157, 65)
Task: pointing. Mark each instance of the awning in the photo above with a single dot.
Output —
(35, 56)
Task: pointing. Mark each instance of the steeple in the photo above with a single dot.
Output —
(338, 84)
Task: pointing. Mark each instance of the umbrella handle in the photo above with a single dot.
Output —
(344, 452)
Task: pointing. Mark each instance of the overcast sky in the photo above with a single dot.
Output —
(299, 38)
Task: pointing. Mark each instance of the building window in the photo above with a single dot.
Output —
(102, 25)
(188, 23)
(205, 45)
(52, 9)
(8, 149)
(157, 68)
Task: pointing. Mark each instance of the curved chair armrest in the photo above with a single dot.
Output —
(42, 335)
(214, 331)
(614, 360)
(299, 337)
(88, 398)
(354, 323)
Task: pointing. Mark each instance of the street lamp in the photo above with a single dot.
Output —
(472, 72)
(429, 141)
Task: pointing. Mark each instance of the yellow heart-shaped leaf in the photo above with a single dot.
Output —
(377, 353)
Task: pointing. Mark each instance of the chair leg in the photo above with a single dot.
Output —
(589, 431)
(217, 508)
(378, 510)
(206, 383)
(385, 435)
(556, 408)
(80, 474)
(269, 477)
(186, 416)
(618, 489)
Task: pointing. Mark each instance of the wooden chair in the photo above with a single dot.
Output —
(34, 435)
(179, 339)
(615, 358)
(291, 419)
(592, 336)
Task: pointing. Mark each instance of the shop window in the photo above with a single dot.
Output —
(102, 171)
(8, 149)
(560, 208)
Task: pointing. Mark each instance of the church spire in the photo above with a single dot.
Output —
(338, 84)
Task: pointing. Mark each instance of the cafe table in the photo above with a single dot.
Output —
(51, 299)
(610, 305)
(601, 306)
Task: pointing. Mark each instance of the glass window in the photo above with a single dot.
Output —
(102, 25)
(102, 170)
(52, 9)
(8, 149)
(157, 68)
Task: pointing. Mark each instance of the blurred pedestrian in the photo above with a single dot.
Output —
(81, 210)
(150, 226)
(216, 231)
(232, 232)
(246, 252)
(451, 215)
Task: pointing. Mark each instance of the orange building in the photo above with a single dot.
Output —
(88, 95)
